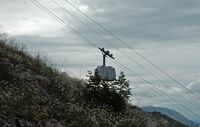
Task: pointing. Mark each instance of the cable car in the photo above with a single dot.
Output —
(106, 73)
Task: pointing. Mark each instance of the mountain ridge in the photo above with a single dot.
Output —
(171, 113)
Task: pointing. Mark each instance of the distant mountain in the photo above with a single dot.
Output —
(171, 113)
(169, 122)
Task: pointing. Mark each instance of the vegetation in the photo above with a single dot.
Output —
(35, 93)
(166, 121)
(113, 94)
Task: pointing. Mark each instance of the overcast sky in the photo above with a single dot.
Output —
(164, 31)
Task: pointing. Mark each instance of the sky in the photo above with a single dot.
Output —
(164, 31)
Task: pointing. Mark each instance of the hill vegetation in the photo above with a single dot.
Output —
(35, 93)
(172, 114)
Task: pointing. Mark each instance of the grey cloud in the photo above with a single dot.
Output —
(67, 41)
(194, 86)
(162, 20)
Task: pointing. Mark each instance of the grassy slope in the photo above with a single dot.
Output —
(36, 93)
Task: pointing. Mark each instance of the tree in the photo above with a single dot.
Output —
(114, 94)
(94, 80)
(123, 86)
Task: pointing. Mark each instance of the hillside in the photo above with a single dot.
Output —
(172, 114)
(165, 119)
(34, 93)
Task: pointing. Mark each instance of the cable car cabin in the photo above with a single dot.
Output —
(106, 73)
